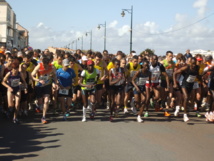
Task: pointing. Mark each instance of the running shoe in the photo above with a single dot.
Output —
(84, 119)
(167, 114)
(177, 109)
(37, 110)
(67, 114)
(146, 114)
(139, 119)
(134, 110)
(197, 114)
(16, 121)
(126, 110)
(110, 118)
(43, 120)
(186, 118)
(92, 115)
(64, 118)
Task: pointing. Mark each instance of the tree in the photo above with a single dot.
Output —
(148, 51)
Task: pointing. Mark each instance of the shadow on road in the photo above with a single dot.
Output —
(24, 140)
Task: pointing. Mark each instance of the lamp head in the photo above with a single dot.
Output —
(122, 13)
(98, 27)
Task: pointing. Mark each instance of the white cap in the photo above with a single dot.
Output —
(19, 54)
(84, 58)
(65, 62)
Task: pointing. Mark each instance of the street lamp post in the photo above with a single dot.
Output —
(86, 34)
(72, 47)
(81, 43)
(76, 45)
(104, 25)
(123, 14)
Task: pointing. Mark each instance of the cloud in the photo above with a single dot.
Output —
(177, 37)
(202, 7)
(124, 30)
(113, 24)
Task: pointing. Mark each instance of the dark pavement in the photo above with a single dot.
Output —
(157, 139)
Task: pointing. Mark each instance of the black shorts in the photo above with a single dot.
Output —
(41, 91)
(70, 94)
(99, 87)
(128, 88)
(188, 86)
(75, 89)
(88, 92)
(141, 88)
(163, 83)
(117, 89)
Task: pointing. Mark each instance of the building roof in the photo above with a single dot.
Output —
(5, 3)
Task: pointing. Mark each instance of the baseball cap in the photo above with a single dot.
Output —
(199, 59)
(65, 62)
(84, 58)
(90, 62)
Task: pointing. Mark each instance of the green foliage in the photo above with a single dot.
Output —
(148, 51)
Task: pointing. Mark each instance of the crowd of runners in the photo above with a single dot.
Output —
(134, 83)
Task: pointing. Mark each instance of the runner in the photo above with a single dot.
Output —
(177, 92)
(116, 82)
(141, 92)
(88, 81)
(100, 65)
(132, 67)
(42, 75)
(65, 76)
(12, 82)
(189, 72)
(156, 69)
(167, 93)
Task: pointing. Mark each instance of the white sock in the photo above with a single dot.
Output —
(84, 111)
(177, 108)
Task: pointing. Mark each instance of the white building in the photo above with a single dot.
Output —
(202, 52)
(10, 32)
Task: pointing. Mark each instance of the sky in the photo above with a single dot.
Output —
(160, 25)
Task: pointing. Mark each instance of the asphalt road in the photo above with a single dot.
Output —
(124, 139)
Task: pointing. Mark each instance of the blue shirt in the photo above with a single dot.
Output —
(65, 77)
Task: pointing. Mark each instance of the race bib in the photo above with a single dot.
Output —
(15, 82)
(191, 79)
(169, 72)
(44, 78)
(142, 81)
(90, 82)
(64, 91)
(155, 76)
